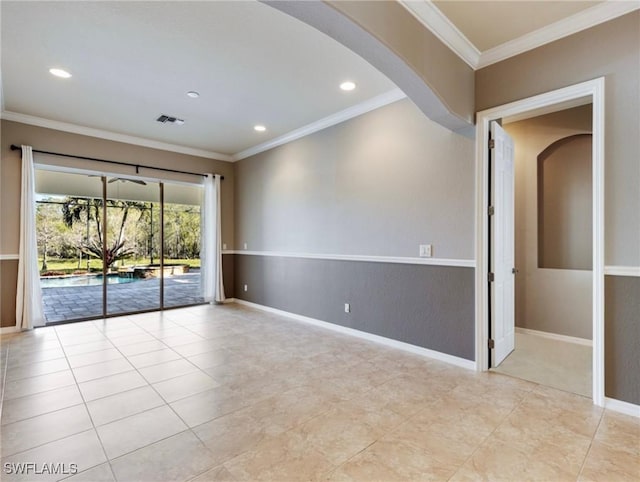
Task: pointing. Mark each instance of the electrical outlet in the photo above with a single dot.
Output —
(224, 245)
(245, 245)
(246, 287)
(426, 250)
(347, 308)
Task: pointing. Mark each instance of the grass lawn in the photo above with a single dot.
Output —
(71, 265)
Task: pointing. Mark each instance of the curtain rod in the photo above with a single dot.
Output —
(119, 163)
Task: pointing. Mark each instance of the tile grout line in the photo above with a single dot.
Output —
(188, 428)
(95, 430)
(324, 412)
(506, 417)
(586, 455)
(404, 420)
(85, 403)
(4, 380)
(137, 413)
(306, 370)
(40, 374)
(70, 369)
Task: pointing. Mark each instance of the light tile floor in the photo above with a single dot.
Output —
(228, 393)
(554, 363)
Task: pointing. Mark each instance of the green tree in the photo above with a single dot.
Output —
(49, 230)
(118, 211)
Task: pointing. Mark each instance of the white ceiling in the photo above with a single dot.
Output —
(252, 64)
(132, 61)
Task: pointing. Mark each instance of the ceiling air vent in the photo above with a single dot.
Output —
(167, 119)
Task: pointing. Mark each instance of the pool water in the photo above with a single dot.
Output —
(70, 281)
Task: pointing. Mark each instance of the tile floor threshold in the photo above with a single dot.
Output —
(554, 363)
(230, 393)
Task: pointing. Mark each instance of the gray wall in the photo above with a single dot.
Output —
(609, 50)
(550, 300)
(427, 306)
(622, 338)
(379, 184)
(228, 275)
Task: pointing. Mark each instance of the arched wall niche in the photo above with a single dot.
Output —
(565, 204)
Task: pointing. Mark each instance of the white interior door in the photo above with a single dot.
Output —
(503, 249)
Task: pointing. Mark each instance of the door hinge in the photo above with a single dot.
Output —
(492, 143)
(491, 210)
(491, 277)
(491, 343)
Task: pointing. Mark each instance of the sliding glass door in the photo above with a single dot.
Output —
(69, 220)
(182, 245)
(133, 247)
(113, 245)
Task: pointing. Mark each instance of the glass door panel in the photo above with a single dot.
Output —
(68, 225)
(182, 245)
(132, 245)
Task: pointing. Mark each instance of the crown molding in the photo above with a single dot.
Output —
(341, 116)
(344, 115)
(434, 20)
(600, 13)
(111, 136)
(439, 24)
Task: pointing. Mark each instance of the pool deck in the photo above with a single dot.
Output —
(76, 302)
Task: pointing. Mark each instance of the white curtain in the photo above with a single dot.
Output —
(29, 308)
(211, 250)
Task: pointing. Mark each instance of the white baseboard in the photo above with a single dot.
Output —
(555, 336)
(228, 301)
(436, 355)
(622, 407)
(8, 329)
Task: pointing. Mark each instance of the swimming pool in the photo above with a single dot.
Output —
(83, 280)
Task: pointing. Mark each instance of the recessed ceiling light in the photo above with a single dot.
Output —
(60, 73)
(348, 85)
(193, 94)
(259, 128)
